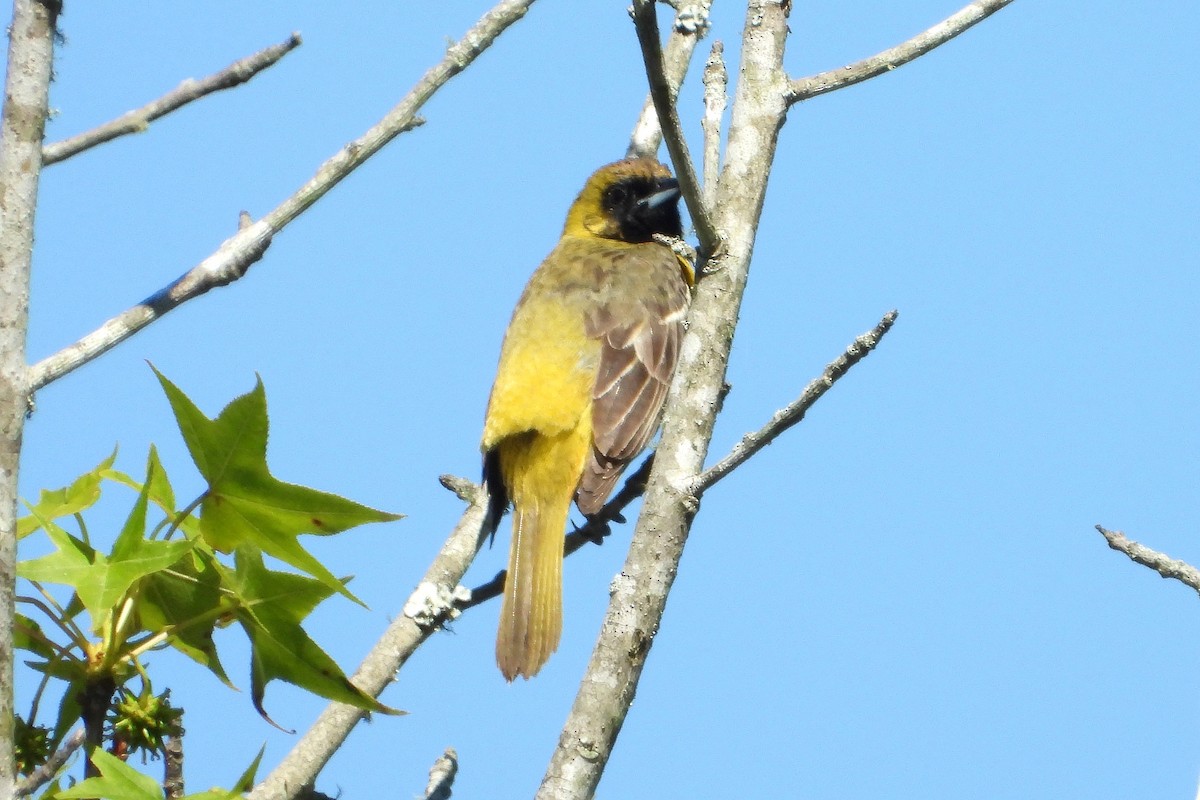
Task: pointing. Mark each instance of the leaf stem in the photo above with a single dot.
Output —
(184, 514)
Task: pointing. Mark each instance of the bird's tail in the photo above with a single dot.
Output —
(531, 616)
(540, 474)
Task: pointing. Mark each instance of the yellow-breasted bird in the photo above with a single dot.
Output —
(584, 370)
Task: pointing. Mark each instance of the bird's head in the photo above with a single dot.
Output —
(628, 201)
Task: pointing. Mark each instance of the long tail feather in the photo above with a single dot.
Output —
(531, 615)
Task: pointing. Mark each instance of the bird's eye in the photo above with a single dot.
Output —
(617, 196)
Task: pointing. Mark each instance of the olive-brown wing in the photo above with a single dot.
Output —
(640, 338)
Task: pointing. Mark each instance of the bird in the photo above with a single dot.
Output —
(584, 370)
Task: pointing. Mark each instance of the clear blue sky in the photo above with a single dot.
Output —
(903, 597)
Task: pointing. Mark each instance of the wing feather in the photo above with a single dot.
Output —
(638, 353)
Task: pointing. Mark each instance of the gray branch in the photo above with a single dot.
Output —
(441, 776)
(791, 414)
(46, 772)
(663, 94)
(677, 57)
(173, 785)
(235, 256)
(898, 56)
(593, 531)
(138, 120)
(26, 100)
(1161, 563)
(716, 81)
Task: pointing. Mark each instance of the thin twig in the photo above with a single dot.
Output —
(463, 489)
(1161, 563)
(441, 776)
(716, 81)
(834, 79)
(677, 55)
(593, 531)
(791, 414)
(46, 772)
(138, 120)
(645, 19)
(238, 253)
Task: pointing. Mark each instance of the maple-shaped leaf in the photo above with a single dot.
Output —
(100, 581)
(189, 599)
(116, 781)
(244, 503)
(271, 607)
(81, 494)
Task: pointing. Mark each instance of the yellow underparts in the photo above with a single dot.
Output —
(539, 422)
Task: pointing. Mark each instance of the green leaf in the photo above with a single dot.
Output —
(273, 604)
(71, 670)
(117, 781)
(51, 789)
(188, 596)
(72, 563)
(102, 581)
(28, 635)
(69, 711)
(245, 504)
(83, 493)
(246, 781)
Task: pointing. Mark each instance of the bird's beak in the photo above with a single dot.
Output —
(668, 191)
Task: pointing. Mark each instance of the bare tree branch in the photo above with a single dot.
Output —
(1161, 563)
(26, 102)
(788, 416)
(138, 120)
(638, 595)
(898, 56)
(592, 532)
(46, 772)
(677, 56)
(431, 604)
(441, 776)
(663, 94)
(716, 81)
(234, 257)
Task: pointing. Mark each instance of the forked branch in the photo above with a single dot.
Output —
(234, 257)
(677, 57)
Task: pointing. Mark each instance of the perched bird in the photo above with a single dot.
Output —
(584, 370)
